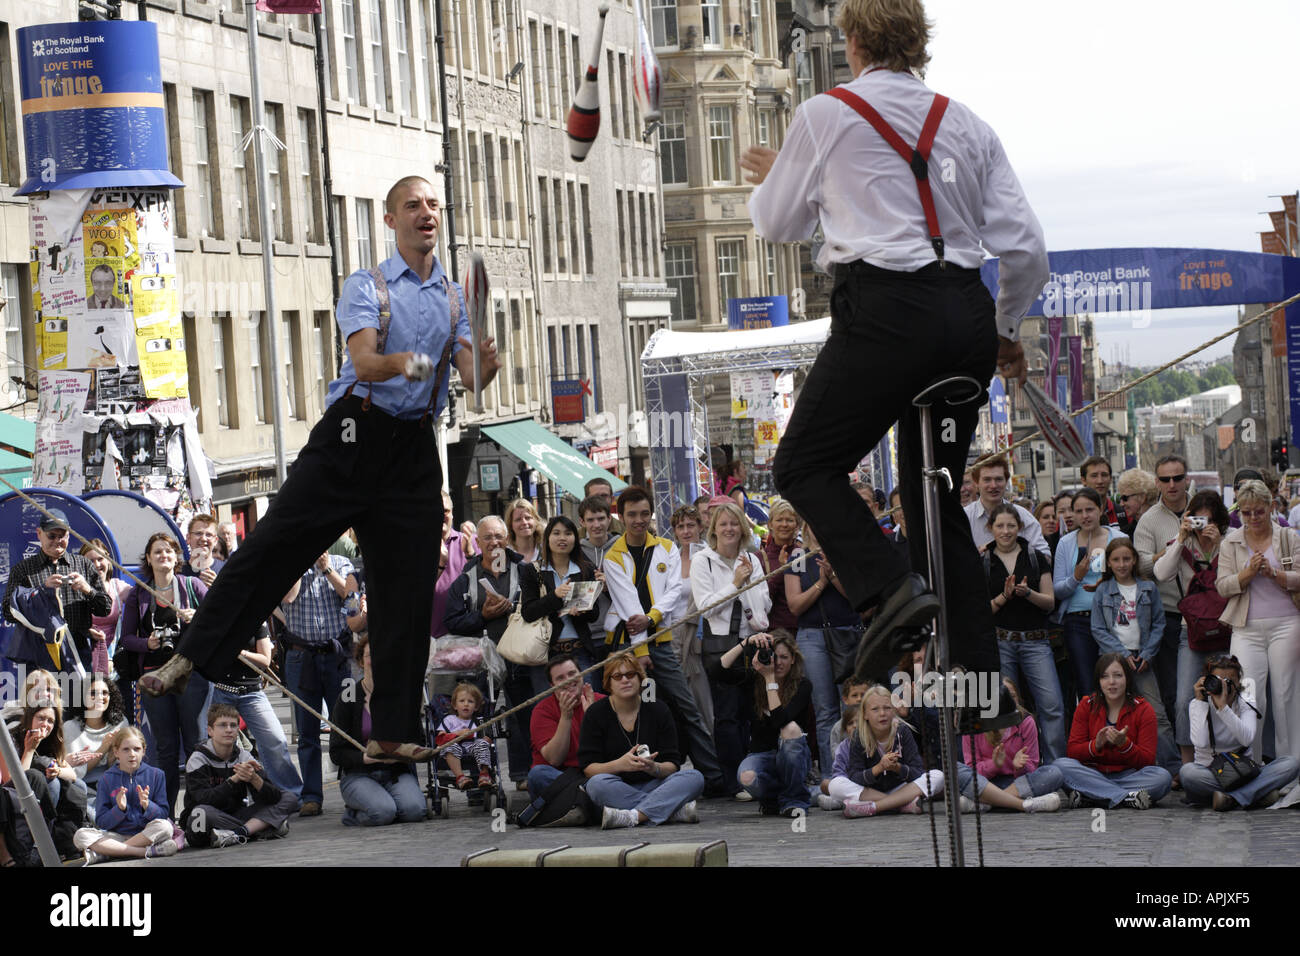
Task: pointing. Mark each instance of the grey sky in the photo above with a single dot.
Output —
(1138, 123)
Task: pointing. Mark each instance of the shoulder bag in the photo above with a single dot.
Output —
(1288, 563)
(526, 642)
(1230, 768)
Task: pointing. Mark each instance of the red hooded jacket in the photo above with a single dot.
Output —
(1136, 714)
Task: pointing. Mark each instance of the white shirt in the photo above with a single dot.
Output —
(1030, 529)
(713, 578)
(834, 168)
(1128, 632)
(1234, 727)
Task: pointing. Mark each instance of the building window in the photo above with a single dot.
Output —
(765, 128)
(277, 167)
(622, 234)
(552, 92)
(11, 320)
(564, 349)
(220, 365)
(322, 351)
(483, 34)
(561, 227)
(663, 20)
(260, 362)
(401, 42)
(566, 91)
(544, 212)
(645, 233)
(246, 189)
(711, 12)
(587, 246)
(721, 165)
(172, 109)
(309, 175)
(803, 76)
(595, 368)
(208, 180)
(350, 50)
(378, 56)
(539, 85)
(730, 254)
(9, 172)
(339, 239)
(628, 129)
(493, 193)
(769, 250)
(672, 147)
(365, 257)
(509, 202)
(574, 227)
(429, 60)
(613, 94)
(654, 237)
(679, 271)
(291, 361)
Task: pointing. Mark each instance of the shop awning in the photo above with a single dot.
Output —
(540, 449)
(15, 469)
(17, 432)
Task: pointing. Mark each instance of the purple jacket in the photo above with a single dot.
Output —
(137, 603)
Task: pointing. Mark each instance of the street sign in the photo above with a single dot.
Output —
(568, 406)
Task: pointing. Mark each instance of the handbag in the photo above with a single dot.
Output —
(1230, 768)
(716, 645)
(1288, 564)
(841, 646)
(1201, 608)
(526, 642)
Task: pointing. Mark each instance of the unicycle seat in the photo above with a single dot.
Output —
(950, 390)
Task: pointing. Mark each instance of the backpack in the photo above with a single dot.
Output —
(1202, 606)
(563, 804)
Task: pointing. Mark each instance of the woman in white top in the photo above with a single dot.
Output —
(88, 738)
(685, 523)
(1257, 576)
(718, 572)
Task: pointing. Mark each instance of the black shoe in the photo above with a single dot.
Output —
(972, 719)
(768, 808)
(717, 790)
(897, 627)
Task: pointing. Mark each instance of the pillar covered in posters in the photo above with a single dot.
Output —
(113, 409)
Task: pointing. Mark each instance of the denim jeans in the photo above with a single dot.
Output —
(671, 687)
(1191, 665)
(192, 709)
(1200, 786)
(522, 682)
(317, 679)
(825, 695)
(657, 799)
(272, 746)
(540, 777)
(1082, 649)
(1043, 780)
(1114, 787)
(374, 802)
(162, 733)
(1034, 662)
(780, 775)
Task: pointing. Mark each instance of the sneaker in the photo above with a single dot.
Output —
(1222, 802)
(165, 848)
(859, 808)
(1267, 800)
(615, 819)
(966, 804)
(743, 796)
(686, 813)
(158, 830)
(1047, 803)
(827, 802)
(92, 857)
(1141, 800)
(792, 812)
(913, 807)
(1074, 800)
(225, 838)
(768, 808)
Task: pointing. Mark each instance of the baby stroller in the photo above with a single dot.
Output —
(476, 661)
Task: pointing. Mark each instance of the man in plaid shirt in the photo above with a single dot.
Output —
(71, 576)
(316, 663)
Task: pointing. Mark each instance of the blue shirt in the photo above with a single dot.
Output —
(421, 317)
(316, 615)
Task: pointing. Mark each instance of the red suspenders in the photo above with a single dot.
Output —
(916, 157)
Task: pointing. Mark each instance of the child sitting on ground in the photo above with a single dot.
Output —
(466, 700)
(131, 813)
(883, 770)
(228, 799)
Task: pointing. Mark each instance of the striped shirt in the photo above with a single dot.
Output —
(316, 615)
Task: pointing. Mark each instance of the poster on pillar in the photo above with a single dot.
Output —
(57, 457)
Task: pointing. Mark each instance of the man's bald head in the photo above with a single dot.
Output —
(400, 187)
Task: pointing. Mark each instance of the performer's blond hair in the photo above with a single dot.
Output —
(894, 33)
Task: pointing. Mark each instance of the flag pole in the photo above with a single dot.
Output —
(258, 138)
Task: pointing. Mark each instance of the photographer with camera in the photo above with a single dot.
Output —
(775, 772)
(151, 629)
(1224, 721)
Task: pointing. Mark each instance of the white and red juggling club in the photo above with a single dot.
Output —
(476, 305)
(647, 80)
(583, 122)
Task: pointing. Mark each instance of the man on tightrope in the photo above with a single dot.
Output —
(370, 464)
(907, 308)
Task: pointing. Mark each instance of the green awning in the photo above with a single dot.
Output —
(14, 469)
(542, 450)
(17, 433)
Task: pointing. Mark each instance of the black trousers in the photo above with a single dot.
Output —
(893, 334)
(360, 469)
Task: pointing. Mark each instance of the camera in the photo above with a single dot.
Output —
(1198, 522)
(642, 751)
(1214, 685)
(763, 655)
(167, 638)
